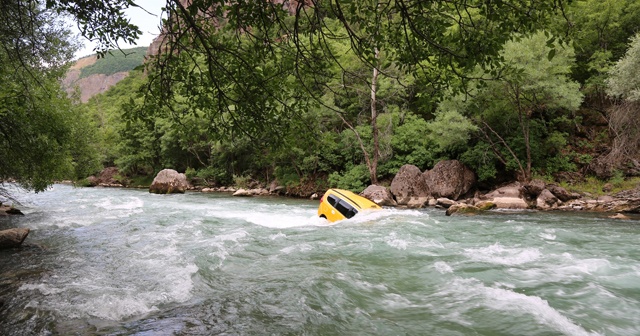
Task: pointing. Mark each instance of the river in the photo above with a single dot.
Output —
(126, 262)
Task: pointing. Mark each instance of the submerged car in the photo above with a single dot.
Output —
(338, 204)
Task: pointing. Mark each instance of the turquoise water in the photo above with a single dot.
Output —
(126, 262)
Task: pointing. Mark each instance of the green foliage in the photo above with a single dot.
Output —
(624, 80)
(354, 178)
(241, 181)
(42, 136)
(520, 114)
(115, 61)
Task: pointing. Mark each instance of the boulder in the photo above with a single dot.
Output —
(450, 179)
(418, 202)
(546, 200)
(533, 188)
(9, 210)
(259, 192)
(169, 181)
(561, 193)
(445, 202)
(513, 203)
(408, 183)
(379, 195)
(511, 190)
(242, 193)
(315, 196)
(462, 209)
(485, 205)
(12, 237)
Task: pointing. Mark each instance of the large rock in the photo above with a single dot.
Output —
(511, 190)
(379, 195)
(561, 193)
(12, 237)
(546, 200)
(533, 188)
(169, 181)
(408, 183)
(450, 179)
(512, 203)
(462, 209)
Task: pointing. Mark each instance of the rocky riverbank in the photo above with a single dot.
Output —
(449, 185)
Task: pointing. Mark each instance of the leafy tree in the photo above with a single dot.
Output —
(624, 84)
(42, 136)
(516, 112)
(225, 57)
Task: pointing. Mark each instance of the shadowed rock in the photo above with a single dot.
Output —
(12, 237)
(450, 179)
(409, 183)
(379, 195)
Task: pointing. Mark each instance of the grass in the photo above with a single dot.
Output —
(594, 186)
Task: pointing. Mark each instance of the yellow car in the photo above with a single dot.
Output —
(338, 204)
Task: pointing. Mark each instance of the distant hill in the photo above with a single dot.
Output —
(91, 75)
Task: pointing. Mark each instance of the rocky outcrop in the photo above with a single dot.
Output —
(169, 181)
(92, 85)
(13, 237)
(409, 186)
(450, 179)
(379, 195)
(108, 177)
(546, 200)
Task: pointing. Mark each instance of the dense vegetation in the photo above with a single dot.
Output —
(116, 61)
(346, 92)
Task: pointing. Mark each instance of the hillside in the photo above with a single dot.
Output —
(92, 76)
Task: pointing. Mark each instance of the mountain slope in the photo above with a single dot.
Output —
(90, 75)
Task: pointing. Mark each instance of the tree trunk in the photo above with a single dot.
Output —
(373, 167)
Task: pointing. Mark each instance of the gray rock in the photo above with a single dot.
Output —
(462, 209)
(546, 200)
(561, 193)
(513, 203)
(450, 179)
(242, 193)
(445, 202)
(379, 195)
(13, 237)
(511, 191)
(533, 188)
(418, 202)
(408, 183)
(169, 181)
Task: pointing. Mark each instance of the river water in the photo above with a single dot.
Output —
(127, 262)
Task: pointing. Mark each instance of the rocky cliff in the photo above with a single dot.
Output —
(91, 76)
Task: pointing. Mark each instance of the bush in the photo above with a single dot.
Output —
(354, 179)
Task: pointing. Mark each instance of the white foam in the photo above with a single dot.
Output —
(297, 248)
(393, 241)
(277, 236)
(442, 267)
(45, 289)
(126, 203)
(516, 303)
(472, 293)
(498, 254)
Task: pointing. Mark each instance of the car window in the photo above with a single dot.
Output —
(332, 200)
(345, 209)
